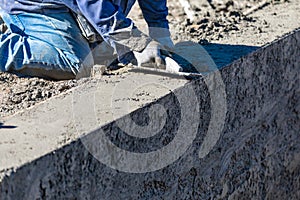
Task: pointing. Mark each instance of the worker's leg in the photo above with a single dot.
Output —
(44, 45)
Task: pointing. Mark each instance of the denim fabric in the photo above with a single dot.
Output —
(51, 36)
(108, 17)
(46, 41)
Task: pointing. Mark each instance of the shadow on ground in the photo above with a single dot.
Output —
(224, 54)
(195, 57)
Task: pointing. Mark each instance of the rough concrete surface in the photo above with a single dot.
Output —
(225, 31)
(256, 155)
(46, 127)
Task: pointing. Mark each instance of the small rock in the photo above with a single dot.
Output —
(203, 42)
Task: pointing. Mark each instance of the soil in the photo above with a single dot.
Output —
(249, 24)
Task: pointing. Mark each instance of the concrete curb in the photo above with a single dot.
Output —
(255, 156)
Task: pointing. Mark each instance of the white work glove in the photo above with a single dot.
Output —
(150, 55)
(166, 42)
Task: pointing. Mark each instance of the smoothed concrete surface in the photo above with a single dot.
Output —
(59, 120)
(256, 155)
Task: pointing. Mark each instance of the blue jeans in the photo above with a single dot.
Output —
(46, 45)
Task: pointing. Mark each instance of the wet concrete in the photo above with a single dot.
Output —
(236, 134)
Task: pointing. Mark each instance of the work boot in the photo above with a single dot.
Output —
(3, 27)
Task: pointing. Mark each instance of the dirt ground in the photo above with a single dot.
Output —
(227, 29)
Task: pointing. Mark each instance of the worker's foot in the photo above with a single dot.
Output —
(35, 71)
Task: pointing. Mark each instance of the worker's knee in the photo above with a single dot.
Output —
(49, 52)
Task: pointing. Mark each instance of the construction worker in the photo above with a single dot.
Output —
(53, 38)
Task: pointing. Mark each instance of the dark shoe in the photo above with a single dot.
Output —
(3, 27)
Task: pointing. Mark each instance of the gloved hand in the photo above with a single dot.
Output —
(166, 42)
(150, 55)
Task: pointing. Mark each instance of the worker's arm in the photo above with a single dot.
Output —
(155, 13)
(113, 26)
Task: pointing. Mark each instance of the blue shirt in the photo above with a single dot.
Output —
(108, 17)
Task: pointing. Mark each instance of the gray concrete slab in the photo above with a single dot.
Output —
(233, 134)
(49, 125)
